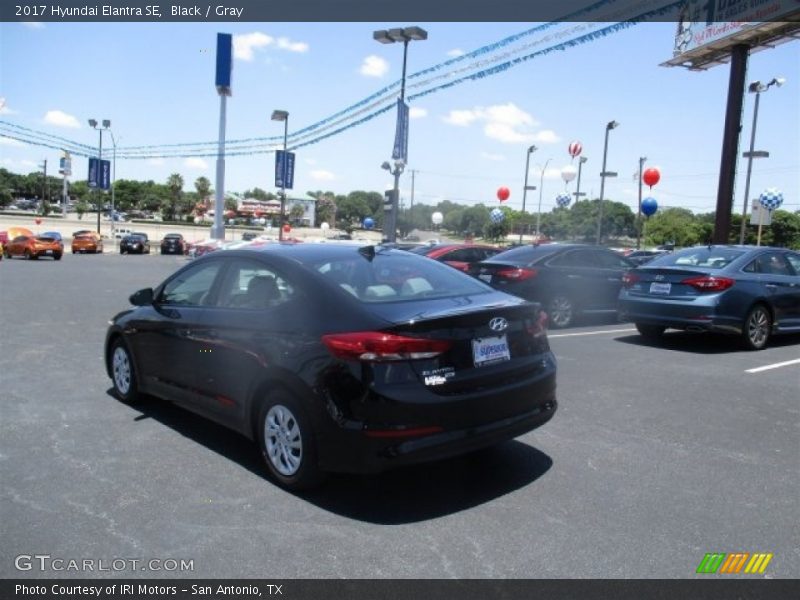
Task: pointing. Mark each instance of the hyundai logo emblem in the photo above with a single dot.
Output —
(498, 324)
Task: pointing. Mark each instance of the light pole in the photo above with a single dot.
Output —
(755, 88)
(282, 115)
(390, 36)
(642, 160)
(578, 192)
(390, 226)
(93, 124)
(611, 125)
(531, 150)
(113, 182)
(541, 186)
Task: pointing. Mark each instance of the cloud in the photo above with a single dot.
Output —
(417, 112)
(506, 123)
(374, 66)
(195, 163)
(455, 52)
(20, 163)
(155, 161)
(61, 119)
(322, 175)
(286, 44)
(6, 141)
(33, 24)
(490, 156)
(310, 161)
(246, 44)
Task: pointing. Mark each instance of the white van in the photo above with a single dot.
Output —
(121, 232)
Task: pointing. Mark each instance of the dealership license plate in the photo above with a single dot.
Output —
(48, 251)
(660, 288)
(490, 350)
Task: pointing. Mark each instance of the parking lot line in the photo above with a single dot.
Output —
(560, 335)
(774, 366)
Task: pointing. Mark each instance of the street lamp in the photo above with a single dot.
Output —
(93, 124)
(541, 186)
(113, 182)
(531, 150)
(755, 88)
(611, 125)
(578, 192)
(282, 115)
(390, 36)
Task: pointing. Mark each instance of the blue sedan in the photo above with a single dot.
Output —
(752, 292)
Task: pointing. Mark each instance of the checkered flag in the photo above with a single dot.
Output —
(771, 199)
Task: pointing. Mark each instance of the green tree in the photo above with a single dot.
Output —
(676, 225)
(170, 207)
(203, 187)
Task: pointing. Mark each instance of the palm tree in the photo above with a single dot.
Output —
(175, 186)
(203, 187)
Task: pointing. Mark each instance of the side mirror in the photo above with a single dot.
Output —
(142, 297)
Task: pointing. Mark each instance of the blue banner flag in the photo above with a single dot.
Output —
(284, 169)
(400, 151)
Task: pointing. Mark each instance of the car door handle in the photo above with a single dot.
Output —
(771, 286)
(573, 276)
(615, 278)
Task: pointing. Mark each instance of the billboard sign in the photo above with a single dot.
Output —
(224, 63)
(65, 165)
(284, 169)
(708, 29)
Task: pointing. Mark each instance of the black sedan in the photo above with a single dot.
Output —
(134, 244)
(752, 292)
(172, 243)
(338, 358)
(568, 279)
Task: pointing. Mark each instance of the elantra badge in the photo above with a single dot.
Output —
(498, 324)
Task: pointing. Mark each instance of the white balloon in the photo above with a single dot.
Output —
(569, 173)
(324, 226)
(437, 218)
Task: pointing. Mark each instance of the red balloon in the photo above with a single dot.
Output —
(287, 228)
(574, 149)
(38, 221)
(503, 193)
(651, 176)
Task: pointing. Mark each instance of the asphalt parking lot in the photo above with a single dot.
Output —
(658, 455)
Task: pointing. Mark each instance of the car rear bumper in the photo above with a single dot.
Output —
(690, 316)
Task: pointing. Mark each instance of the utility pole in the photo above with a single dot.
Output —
(413, 172)
(639, 214)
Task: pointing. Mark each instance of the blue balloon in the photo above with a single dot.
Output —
(369, 223)
(562, 200)
(497, 215)
(649, 207)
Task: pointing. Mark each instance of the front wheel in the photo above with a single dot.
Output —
(57, 256)
(561, 311)
(123, 373)
(757, 328)
(287, 442)
(650, 332)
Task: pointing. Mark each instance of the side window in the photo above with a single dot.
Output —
(191, 287)
(609, 260)
(575, 258)
(772, 263)
(459, 255)
(252, 285)
(794, 260)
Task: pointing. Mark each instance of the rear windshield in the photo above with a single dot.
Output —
(524, 253)
(709, 258)
(397, 276)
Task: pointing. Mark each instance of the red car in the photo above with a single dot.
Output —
(459, 256)
(33, 247)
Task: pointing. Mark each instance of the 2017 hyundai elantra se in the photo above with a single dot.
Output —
(338, 358)
(749, 291)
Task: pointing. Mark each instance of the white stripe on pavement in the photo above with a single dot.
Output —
(559, 335)
(774, 366)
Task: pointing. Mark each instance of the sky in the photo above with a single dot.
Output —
(155, 82)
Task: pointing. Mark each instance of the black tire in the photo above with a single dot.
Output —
(287, 442)
(56, 257)
(561, 310)
(757, 328)
(650, 332)
(123, 372)
(30, 255)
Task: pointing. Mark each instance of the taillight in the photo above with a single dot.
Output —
(375, 346)
(628, 279)
(709, 283)
(516, 273)
(539, 327)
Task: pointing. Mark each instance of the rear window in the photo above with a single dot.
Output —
(707, 257)
(397, 276)
(524, 254)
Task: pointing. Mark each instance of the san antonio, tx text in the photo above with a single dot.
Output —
(141, 589)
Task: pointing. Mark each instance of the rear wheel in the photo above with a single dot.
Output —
(29, 255)
(561, 311)
(757, 328)
(57, 256)
(287, 442)
(650, 332)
